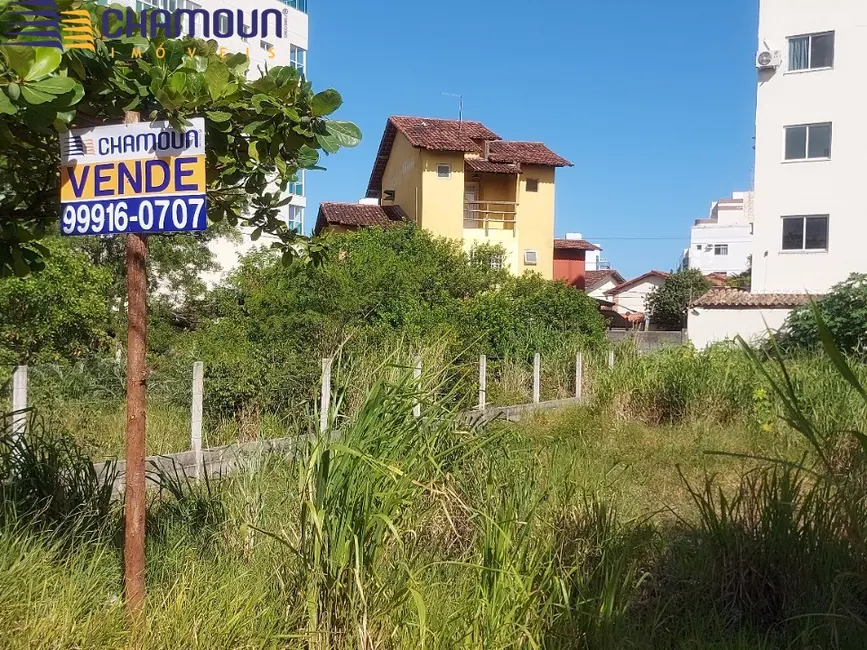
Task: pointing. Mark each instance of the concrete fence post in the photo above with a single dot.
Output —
(196, 416)
(610, 358)
(19, 401)
(579, 375)
(537, 378)
(325, 398)
(483, 382)
(416, 375)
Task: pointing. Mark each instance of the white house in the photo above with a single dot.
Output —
(723, 242)
(598, 282)
(809, 230)
(629, 297)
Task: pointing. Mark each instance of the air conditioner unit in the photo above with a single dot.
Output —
(769, 59)
(531, 258)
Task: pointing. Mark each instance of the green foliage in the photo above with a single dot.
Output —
(844, 310)
(60, 313)
(667, 304)
(258, 131)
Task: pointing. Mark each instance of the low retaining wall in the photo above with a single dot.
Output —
(648, 341)
(221, 461)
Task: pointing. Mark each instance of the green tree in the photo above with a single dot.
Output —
(257, 131)
(58, 314)
(844, 310)
(667, 304)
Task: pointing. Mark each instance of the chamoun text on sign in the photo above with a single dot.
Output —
(133, 178)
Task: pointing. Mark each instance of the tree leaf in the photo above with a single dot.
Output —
(346, 133)
(54, 85)
(326, 102)
(219, 116)
(6, 106)
(307, 156)
(253, 150)
(35, 96)
(46, 61)
(217, 76)
(328, 143)
(20, 58)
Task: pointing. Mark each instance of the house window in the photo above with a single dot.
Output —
(296, 218)
(532, 184)
(531, 258)
(805, 233)
(808, 141)
(812, 51)
(444, 171)
(298, 58)
(721, 249)
(497, 262)
(300, 5)
(265, 45)
(698, 247)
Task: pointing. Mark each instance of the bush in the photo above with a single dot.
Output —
(668, 303)
(844, 311)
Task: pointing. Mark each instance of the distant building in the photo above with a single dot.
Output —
(570, 263)
(629, 297)
(723, 242)
(460, 180)
(598, 283)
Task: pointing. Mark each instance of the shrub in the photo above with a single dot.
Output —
(844, 311)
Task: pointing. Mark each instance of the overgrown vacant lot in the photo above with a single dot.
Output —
(695, 502)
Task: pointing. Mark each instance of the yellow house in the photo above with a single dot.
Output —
(461, 180)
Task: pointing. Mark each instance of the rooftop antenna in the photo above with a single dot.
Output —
(460, 108)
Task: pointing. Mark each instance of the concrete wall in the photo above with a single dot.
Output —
(569, 265)
(831, 187)
(648, 341)
(403, 175)
(707, 326)
(536, 220)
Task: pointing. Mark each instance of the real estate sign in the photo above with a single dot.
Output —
(143, 178)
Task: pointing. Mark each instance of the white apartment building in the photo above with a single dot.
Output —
(810, 223)
(264, 51)
(722, 242)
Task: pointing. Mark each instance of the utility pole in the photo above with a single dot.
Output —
(136, 420)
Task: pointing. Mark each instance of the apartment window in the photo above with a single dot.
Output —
(297, 187)
(298, 58)
(805, 233)
(246, 31)
(296, 218)
(812, 51)
(698, 247)
(808, 141)
(265, 45)
(531, 258)
(721, 249)
(532, 184)
(444, 171)
(300, 5)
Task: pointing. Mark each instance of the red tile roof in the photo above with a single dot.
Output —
(595, 278)
(575, 244)
(727, 298)
(488, 167)
(527, 153)
(442, 135)
(454, 135)
(620, 288)
(355, 214)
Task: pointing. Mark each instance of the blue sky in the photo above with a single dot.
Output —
(654, 102)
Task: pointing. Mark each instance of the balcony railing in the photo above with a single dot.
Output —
(501, 215)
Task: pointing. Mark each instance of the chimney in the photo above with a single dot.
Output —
(487, 149)
(368, 201)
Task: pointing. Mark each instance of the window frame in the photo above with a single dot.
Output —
(810, 67)
(808, 126)
(535, 181)
(535, 257)
(803, 249)
(298, 58)
(295, 211)
(446, 166)
(717, 248)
